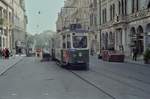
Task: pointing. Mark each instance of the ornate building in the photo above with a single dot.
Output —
(124, 24)
(74, 11)
(19, 28)
(12, 23)
(6, 23)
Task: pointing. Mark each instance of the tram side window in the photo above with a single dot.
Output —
(64, 41)
(68, 41)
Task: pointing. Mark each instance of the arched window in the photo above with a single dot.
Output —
(140, 30)
(140, 40)
(133, 32)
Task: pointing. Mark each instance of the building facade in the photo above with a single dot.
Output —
(19, 29)
(13, 22)
(6, 23)
(124, 25)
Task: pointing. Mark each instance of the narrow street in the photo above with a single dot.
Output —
(32, 79)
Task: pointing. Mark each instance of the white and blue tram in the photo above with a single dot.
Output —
(71, 48)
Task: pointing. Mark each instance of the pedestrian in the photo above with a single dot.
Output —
(135, 53)
(7, 53)
(3, 53)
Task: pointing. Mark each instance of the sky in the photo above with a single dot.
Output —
(42, 15)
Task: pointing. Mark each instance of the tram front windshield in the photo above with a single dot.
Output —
(80, 41)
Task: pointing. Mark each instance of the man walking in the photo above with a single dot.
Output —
(7, 53)
(135, 53)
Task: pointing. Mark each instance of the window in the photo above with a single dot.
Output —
(113, 11)
(79, 41)
(125, 7)
(5, 32)
(105, 15)
(68, 41)
(137, 5)
(133, 3)
(64, 41)
(119, 4)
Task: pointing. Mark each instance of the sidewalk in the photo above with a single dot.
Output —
(128, 60)
(139, 61)
(5, 64)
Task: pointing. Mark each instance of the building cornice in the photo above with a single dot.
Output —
(123, 20)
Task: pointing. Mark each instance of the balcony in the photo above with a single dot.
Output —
(129, 18)
(119, 19)
(139, 15)
(116, 21)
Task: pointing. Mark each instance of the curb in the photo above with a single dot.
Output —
(10, 66)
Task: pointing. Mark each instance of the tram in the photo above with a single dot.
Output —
(71, 48)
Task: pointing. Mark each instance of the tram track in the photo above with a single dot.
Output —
(112, 78)
(122, 82)
(125, 76)
(89, 83)
(92, 84)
